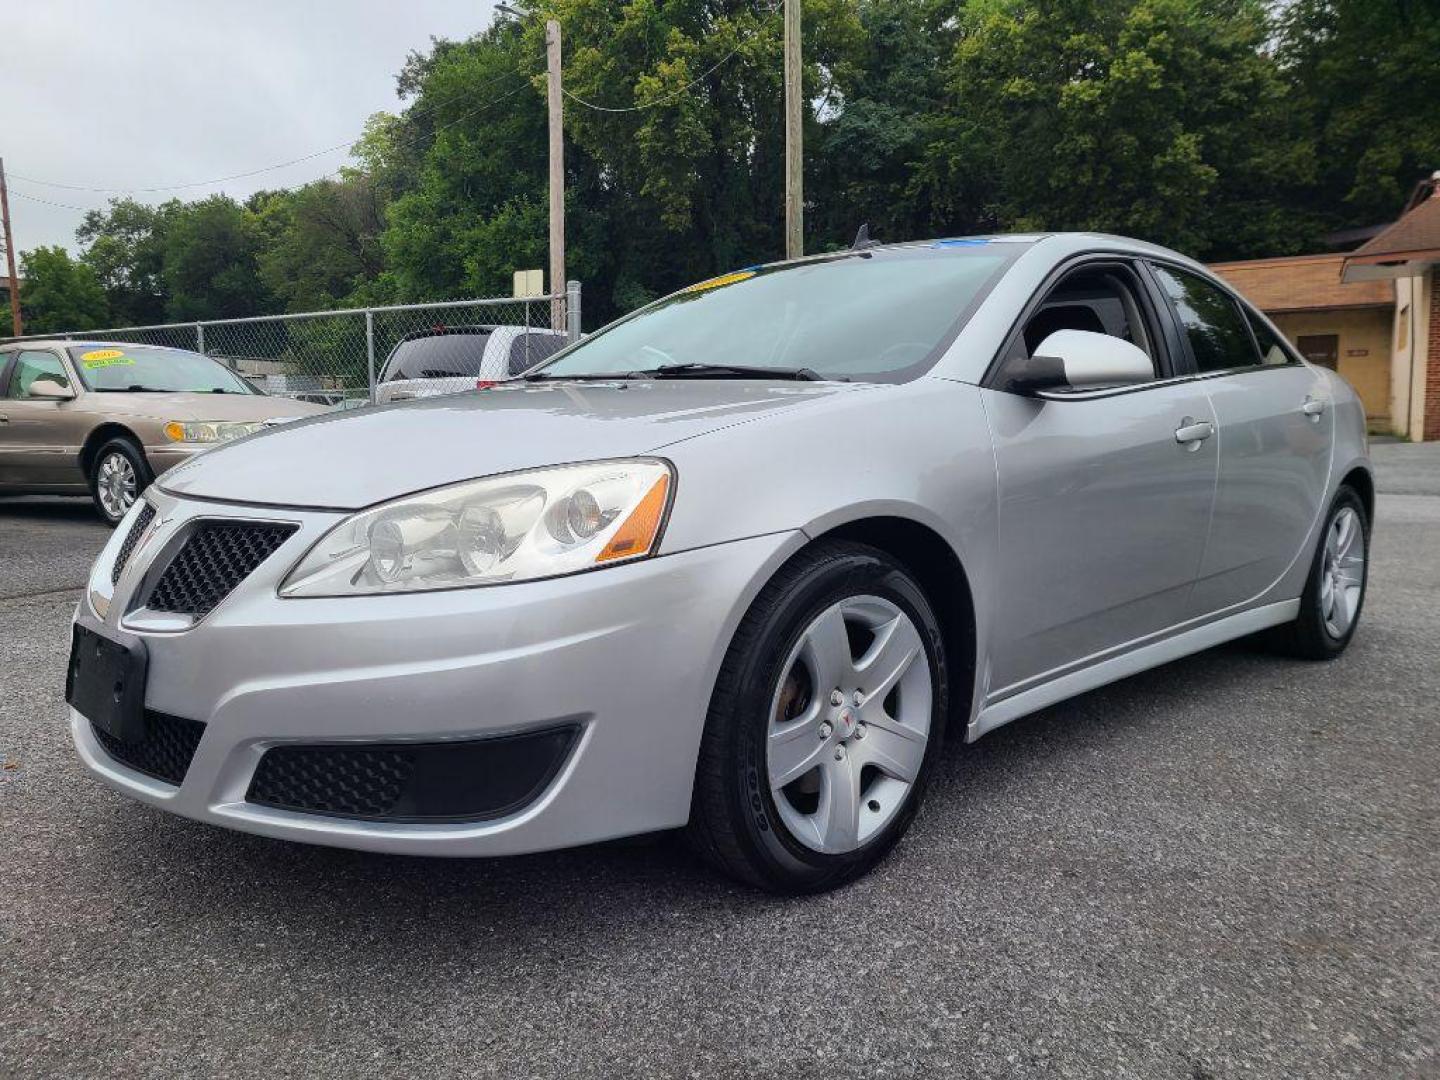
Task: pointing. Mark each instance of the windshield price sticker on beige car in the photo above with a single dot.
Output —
(98, 358)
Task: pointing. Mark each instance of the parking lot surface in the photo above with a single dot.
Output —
(1227, 867)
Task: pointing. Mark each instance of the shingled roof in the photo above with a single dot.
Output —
(1406, 247)
(1302, 283)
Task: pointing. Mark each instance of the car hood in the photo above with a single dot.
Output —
(346, 461)
(233, 407)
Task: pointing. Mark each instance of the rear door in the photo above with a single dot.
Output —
(39, 437)
(1103, 511)
(1275, 420)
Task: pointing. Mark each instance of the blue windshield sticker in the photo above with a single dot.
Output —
(967, 241)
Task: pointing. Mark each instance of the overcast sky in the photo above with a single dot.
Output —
(148, 93)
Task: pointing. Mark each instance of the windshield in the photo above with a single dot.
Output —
(880, 316)
(444, 355)
(147, 367)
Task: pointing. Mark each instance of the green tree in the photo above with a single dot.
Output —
(125, 245)
(320, 244)
(211, 263)
(1367, 75)
(887, 107)
(1162, 119)
(59, 293)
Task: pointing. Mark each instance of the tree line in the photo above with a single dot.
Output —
(1223, 128)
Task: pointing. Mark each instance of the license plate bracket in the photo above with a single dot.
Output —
(105, 681)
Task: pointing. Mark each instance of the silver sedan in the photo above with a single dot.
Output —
(739, 562)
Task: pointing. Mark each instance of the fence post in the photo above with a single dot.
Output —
(370, 350)
(200, 338)
(572, 311)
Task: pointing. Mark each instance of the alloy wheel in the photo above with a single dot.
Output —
(1342, 574)
(115, 484)
(849, 724)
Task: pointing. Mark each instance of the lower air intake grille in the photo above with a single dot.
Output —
(163, 753)
(142, 523)
(217, 557)
(364, 782)
(461, 780)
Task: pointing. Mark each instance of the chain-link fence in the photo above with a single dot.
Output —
(336, 357)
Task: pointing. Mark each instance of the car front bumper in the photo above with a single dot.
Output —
(627, 655)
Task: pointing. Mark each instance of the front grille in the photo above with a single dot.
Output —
(147, 515)
(363, 782)
(163, 753)
(459, 780)
(216, 558)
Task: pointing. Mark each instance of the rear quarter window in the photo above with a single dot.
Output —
(440, 356)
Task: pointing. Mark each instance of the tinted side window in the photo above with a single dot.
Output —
(34, 365)
(1211, 321)
(442, 356)
(529, 349)
(1272, 353)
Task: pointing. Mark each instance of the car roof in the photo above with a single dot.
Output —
(1061, 244)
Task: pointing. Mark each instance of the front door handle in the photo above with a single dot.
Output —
(4, 419)
(1312, 408)
(1191, 432)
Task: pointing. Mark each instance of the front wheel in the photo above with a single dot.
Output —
(118, 474)
(1335, 591)
(825, 721)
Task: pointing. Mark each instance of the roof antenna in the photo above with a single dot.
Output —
(862, 239)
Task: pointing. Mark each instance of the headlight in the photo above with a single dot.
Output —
(208, 431)
(516, 527)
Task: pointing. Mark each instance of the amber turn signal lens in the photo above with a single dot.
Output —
(175, 432)
(637, 534)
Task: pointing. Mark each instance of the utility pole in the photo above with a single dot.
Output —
(17, 327)
(557, 175)
(794, 135)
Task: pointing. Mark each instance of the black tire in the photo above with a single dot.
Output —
(1307, 637)
(734, 823)
(132, 453)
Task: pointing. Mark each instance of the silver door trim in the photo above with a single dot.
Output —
(1130, 663)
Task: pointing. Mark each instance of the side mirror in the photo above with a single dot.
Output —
(1082, 359)
(50, 390)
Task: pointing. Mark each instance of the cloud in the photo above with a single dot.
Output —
(145, 93)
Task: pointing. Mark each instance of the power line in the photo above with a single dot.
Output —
(51, 202)
(190, 184)
(403, 145)
(233, 176)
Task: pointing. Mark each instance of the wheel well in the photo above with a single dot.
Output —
(1364, 485)
(98, 438)
(937, 568)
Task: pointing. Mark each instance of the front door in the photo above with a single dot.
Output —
(1103, 510)
(38, 443)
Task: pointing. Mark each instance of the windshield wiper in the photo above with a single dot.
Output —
(728, 371)
(131, 390)
(693, 370)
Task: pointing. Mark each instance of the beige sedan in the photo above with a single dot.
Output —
(107, 417)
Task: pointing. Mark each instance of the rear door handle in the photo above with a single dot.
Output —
(1192, 432)
(1313, 407)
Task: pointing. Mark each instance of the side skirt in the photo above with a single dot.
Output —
(1131, 663)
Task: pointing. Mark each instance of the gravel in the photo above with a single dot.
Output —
(1226, 867)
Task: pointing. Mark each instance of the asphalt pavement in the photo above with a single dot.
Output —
(1227, 867)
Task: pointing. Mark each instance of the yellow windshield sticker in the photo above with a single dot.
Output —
(719, 282)
(98, 358)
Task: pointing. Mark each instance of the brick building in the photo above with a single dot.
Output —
(1372, 314)
(1407, 254)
